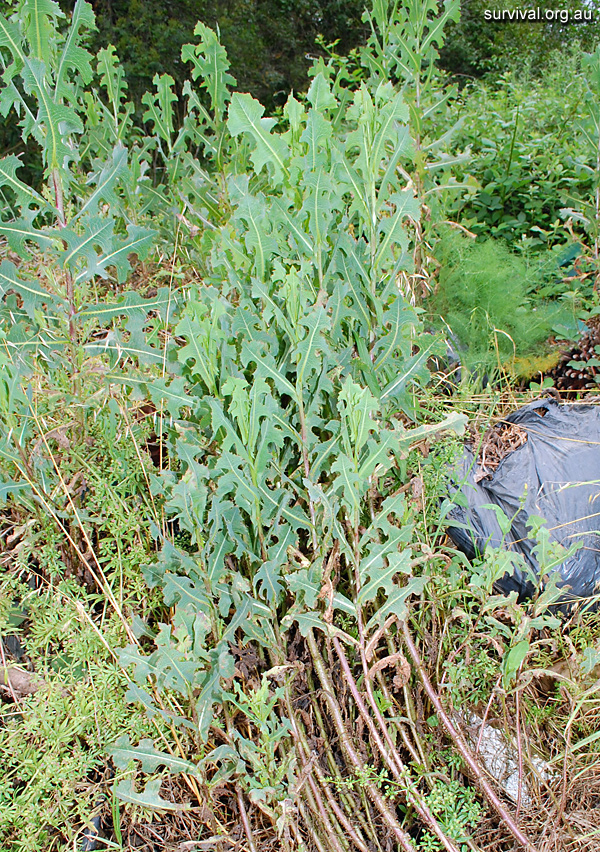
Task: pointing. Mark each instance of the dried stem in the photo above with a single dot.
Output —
(390, 755)
(485, 716)
(462, 748)
(98, 573)
(349, 750)
(565, 776)
(308, 761)
(519, 752)
(245, 820)
(397, 722)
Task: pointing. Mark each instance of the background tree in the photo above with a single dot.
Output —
(269, 41)
(476, 46)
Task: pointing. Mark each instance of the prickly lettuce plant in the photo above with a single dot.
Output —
(284, 389)
(403, 46)
(100, 207)
(281, 520)
(298, 355)
(97, 212)
(79, 220)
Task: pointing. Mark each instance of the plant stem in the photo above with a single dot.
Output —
(305, 758)
(313, 834)
(349, 750)
(462, 748)
(245, 820)
(70, 292)
(334, 836)
(349, 803)
(58, 197)
(390, 755)
(306, 461)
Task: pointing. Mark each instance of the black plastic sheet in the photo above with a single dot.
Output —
(555, 474)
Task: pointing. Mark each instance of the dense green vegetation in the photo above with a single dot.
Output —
(270, 43)
(478, 46)
(267, 42)
(229, 613)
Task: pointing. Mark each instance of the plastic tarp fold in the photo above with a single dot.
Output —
(555, 474)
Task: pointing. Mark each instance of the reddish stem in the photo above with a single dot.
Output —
(391, 756)
(462, 748)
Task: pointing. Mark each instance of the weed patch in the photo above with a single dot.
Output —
(225, 566)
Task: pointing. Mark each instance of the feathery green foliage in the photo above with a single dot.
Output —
(484, 295)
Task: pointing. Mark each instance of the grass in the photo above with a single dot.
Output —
(71, 588)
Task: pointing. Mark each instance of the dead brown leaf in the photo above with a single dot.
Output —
(402, 668)
(18, 682)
